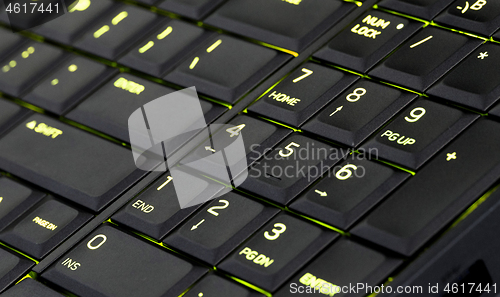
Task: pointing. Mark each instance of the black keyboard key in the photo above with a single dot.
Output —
(70, 83)
(156, 211)
(118, 31)
(475, 82)
(441, 190)
(213, 285)
(46, 152)
(348, 192)
(288, 169)
(473, 16)
(344, 264)
(296, 98)
(195, 9)
(231, 217)
(69, 27)
(425, 9)
(10, 42)
(26, 66)
(32, 288)
(15, 199)
(259, 136)
(425, 58)
(277, 251)
(420, 131)
(109, 108)
(368, 40)
(95, 268)
(358, 112)
(13, 267)
(469, 249)
(44, 227)
(496, 37)
(164, 49)
(10, 113)
(225, 67)
(277, 22)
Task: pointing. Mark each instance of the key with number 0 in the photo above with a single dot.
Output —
(95, 268)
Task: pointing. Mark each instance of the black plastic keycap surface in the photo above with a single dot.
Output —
(475, 82)
(441, 190)
(290, 24)
(95, 268)
(46, 152)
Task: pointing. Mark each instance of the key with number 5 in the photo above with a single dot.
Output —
(287, 170)
(277, 251)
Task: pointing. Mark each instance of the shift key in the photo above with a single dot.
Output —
(67, 161)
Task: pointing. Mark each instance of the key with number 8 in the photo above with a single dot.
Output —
(358, 112)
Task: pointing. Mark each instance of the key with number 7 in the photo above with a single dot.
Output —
(302, 93)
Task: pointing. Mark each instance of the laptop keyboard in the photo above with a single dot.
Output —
(402, 94)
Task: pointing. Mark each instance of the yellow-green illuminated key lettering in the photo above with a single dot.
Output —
(79, 5)
(115, 21)
(209, 50)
